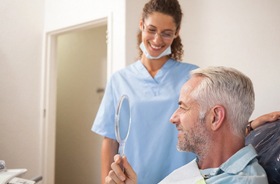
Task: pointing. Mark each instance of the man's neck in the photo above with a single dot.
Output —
(218, 154)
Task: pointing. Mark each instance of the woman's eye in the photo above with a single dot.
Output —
(167, 35)
(152, 30)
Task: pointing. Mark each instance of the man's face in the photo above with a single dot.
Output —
(192, 132)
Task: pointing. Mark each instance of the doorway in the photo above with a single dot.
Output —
(81, 76)
(75, 81)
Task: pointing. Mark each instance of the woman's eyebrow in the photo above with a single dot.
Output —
(150, 25)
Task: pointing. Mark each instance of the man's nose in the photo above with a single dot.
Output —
(174, 118)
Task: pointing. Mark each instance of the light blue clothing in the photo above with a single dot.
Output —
(151, 145)
(241, 168)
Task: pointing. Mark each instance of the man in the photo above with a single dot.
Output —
(214, 109)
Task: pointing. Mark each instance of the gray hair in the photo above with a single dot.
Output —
(227, 87)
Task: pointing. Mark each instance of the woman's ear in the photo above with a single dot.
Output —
(218, 116)
(177, 32)
(141, 23)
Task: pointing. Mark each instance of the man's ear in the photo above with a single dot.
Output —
(218, 116)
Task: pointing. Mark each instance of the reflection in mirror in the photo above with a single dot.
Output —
(122, 122)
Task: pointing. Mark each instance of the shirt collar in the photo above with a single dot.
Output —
(244, 156)
(231, 166)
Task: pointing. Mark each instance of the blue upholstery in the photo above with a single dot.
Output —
(266, 140)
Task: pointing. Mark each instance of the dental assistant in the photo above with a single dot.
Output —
(152, 84)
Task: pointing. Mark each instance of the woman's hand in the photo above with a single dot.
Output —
(121, 172)
(270, 117)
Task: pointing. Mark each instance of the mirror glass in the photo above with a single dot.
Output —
(122, 122)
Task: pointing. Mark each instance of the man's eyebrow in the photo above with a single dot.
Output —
(181, 103)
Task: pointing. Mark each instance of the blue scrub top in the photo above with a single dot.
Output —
(151, 145)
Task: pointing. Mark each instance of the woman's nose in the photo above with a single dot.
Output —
(157, 38)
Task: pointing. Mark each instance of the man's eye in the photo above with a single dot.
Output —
(182, 109)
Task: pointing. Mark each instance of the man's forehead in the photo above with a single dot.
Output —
(185, 93)
(187, 88)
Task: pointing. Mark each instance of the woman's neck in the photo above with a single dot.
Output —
(153, 65)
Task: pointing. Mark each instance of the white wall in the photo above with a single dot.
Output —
(133, 10)
(21, 34)
(239, 33)
(64, 13)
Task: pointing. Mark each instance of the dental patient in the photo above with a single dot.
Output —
(214, 108)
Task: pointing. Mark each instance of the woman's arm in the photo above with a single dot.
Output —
(270, 117)
(108, 151)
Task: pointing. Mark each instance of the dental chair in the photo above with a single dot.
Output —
(11, 176)
(266, 140)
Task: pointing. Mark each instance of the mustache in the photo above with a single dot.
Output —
(179, 128)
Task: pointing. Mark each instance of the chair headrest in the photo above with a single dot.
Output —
(266, 140)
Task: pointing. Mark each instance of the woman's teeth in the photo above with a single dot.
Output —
(155, 47)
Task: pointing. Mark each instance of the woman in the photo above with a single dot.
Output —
(152, 84)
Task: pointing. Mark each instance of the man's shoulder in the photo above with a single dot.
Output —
(242, 167)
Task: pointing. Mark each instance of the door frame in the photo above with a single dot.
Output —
(49, 69)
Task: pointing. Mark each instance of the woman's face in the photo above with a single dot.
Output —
(158, 32)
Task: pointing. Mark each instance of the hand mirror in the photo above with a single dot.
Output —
(122, 122)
